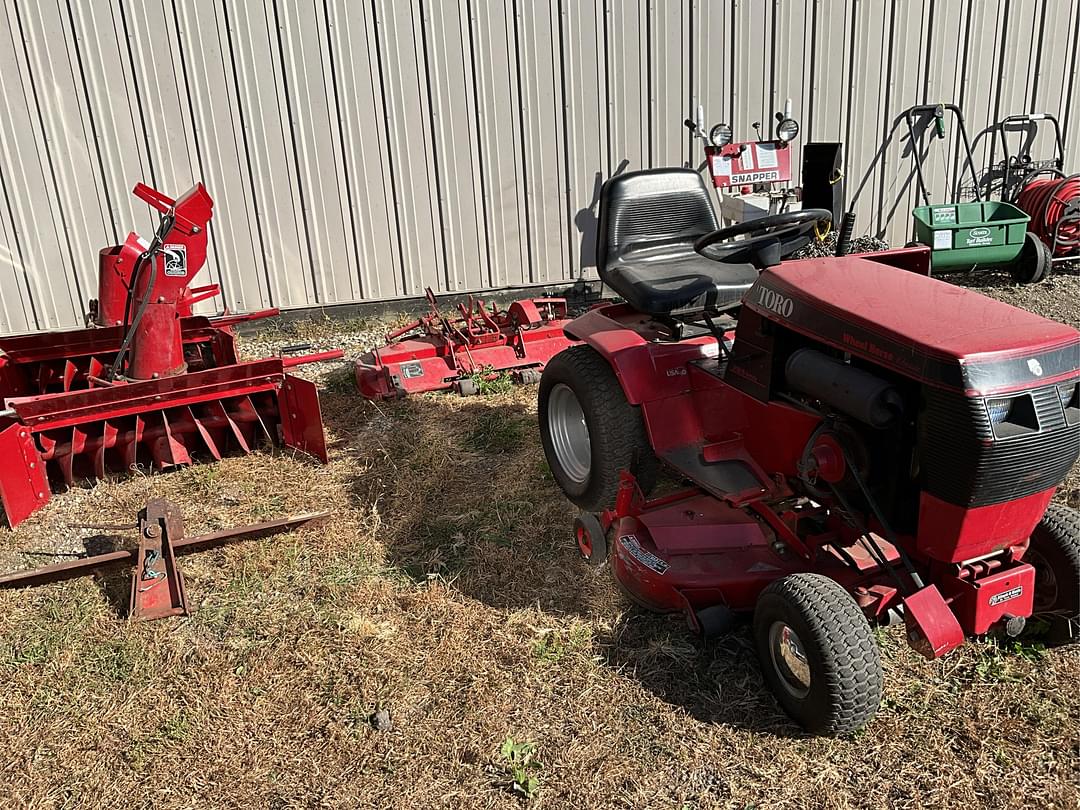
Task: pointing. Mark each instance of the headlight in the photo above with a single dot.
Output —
(1069, 394)
(787, 130)
(1012, 416)
(998, 409)
(720, 135)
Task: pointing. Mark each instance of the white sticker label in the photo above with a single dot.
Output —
(646, 558)
(175, 260)
(766, 155)
(942, 240)
(767, 176)
(721, 165)
(1005, 596)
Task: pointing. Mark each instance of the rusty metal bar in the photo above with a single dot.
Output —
(187, 545)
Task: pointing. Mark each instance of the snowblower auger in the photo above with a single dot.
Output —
(151, 385)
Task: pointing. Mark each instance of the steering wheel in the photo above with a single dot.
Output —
(768, 239)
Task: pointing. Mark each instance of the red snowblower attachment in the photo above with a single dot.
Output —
(149, 384)
(436, 352)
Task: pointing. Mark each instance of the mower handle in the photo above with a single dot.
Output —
(1026, 119)
(922, 109)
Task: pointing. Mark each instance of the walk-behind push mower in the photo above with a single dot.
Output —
(149, 385)
(438, 352)
(851, 460)
(983, 234)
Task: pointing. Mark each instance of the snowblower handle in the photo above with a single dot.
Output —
(154, 198)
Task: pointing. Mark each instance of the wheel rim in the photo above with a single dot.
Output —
(789, 659)
(584, 543)
(569, 433)
(1046, 587)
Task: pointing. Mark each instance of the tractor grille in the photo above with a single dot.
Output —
(962, 463)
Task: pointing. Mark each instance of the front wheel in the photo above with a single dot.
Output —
(589, 431)
(1054, 553)
(818, 653)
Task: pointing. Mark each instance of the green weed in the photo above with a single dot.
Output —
(521, 765)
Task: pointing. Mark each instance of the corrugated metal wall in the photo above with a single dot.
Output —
(360, 151)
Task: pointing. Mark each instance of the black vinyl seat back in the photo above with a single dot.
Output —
(648, 223)
(652, 205)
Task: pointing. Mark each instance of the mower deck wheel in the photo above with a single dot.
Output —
(589, 431)
(1034, 262)
(591, 538)
(818, 653)
(1055, 554)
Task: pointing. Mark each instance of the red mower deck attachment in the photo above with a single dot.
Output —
(152, 385)
(438, 352)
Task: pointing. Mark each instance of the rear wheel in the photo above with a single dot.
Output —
(589, 431)
(818, 654)
(1034, 262)
(1055, 555)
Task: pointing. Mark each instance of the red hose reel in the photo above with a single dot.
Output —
(1053, 203)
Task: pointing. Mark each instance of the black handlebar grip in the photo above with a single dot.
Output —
(843, 236)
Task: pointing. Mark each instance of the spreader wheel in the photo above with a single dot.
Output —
(591, 538)
(1055, 554)
(1034, 262)
(589, 431)
(818, 653)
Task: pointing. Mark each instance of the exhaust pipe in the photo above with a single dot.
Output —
(850, 390)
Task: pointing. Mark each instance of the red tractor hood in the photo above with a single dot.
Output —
(939, 333)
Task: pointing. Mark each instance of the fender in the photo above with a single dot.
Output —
(647, 370)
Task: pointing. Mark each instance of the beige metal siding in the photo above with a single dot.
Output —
(361, 150)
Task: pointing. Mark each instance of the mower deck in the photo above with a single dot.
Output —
(439, 353)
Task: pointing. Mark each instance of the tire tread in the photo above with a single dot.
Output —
(851, 661)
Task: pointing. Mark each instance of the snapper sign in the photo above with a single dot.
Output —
(749, 163)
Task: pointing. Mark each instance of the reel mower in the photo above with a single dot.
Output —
(847, 461)
(147, 384)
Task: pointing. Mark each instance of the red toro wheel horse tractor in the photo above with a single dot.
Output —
(862, 444)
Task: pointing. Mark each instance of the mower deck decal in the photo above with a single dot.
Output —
(411, 370)
(646, 558)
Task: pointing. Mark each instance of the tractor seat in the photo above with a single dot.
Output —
(649, 221)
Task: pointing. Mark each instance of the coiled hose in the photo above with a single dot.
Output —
(1046, 200)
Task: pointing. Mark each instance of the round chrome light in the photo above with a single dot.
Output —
(787, 130)
(720, 135)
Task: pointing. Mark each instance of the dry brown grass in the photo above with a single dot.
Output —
(446, 591)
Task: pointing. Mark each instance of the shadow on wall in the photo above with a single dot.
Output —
(898, 190)
(586, 220)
